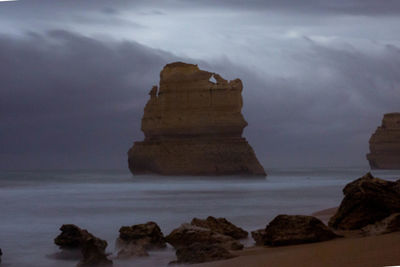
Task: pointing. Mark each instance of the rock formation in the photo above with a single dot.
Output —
(292, 230)
(367, 200)
(198, 253)
(384, 144)
(135, 240)
(188, 234)
(221, 226)
(193, 126)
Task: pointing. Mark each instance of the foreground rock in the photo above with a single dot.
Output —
(367, 200)
(92, 248)
(222, 226)
(198, 253)
(187, 235)
(193, 126)
(388, 225)
(384, 144)
(136, 239)
(293, 229)
(93, 252)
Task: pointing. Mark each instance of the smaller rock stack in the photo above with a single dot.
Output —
(384, 144)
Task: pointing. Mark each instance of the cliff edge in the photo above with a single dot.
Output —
(193, 126)
(384, 144)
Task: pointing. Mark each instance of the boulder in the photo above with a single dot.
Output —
(188, 234)
(367, 200)
(294, 229)
(384, 144)
(199, 252)
(388, 225)
(73, 239)
(93, 252)
(148, 235)
(222, 226)
(194, 126)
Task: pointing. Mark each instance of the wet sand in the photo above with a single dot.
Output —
(383, 250)
(352, 250)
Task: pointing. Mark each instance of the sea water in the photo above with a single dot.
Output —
(34, 204)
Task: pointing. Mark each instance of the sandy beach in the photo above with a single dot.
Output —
(352, 250)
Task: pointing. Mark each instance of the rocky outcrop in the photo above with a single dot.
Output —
(193, 126)
(198, 253)
(293, 229)
(384, 144)
(258, 236)
(222, 226)
(367, 200)
(188, 234)
(388, 225)
(135, 240)
(73, 238)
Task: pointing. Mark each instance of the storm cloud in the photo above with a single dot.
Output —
(318, 75)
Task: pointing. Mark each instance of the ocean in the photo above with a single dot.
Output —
(34, 204)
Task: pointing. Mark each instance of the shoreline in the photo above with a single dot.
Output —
(348, 251)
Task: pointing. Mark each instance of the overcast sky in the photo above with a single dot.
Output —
(74, 75)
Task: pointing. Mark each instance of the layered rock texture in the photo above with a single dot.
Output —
(193, 126)
(385, 144)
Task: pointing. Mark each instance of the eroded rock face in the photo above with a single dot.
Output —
(135, 240)
(188, 234)
(293, 229)
(193, 126)
(384, 144)
(367, 200)
(388, 225)
(222, 226)
(93, 252)
(198, 253)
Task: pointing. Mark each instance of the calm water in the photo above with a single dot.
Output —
(34, 204)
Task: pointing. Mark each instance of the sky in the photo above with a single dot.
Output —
(75, 75)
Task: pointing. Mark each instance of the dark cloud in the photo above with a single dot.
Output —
(71, 100)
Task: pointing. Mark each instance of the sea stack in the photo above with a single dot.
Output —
(193, 126)
(384, 144)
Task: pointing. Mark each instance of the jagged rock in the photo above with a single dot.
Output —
(1, 254)
(258, 236)
(222, 226)
(198, 253)
(193, 126)
(188, 234)
(133, 241)
(294, 229)
(148, 235)
(388, 225)
(73, 239)
(384, 144)
(93, 252)
(366, 200)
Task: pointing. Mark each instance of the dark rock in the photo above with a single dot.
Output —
(188, 234)
(93, 252)
(148, 235)
(132, 250)
(222, 226)
(295, 229)
(73, 238)
(367, 200)
(258, 236)
(1, 254)
(388, 225)
(198, 253)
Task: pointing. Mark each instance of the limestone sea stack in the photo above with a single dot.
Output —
(193, 126)
(384, 144)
